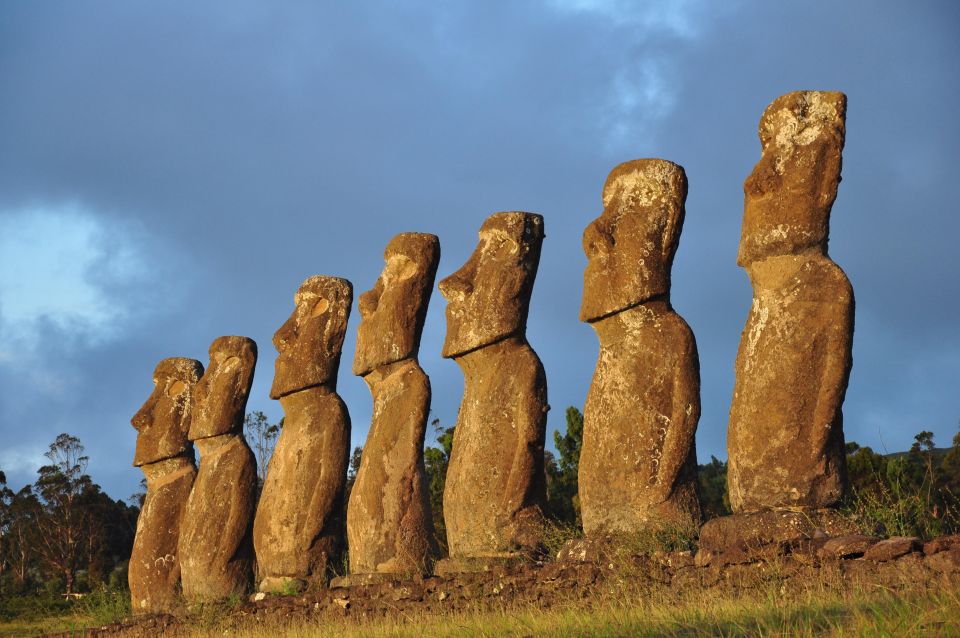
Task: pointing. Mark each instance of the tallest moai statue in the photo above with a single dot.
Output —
(785, 439)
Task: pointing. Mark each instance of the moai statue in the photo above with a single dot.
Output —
(166, 457)
(389, 527)
(785, 440)
(638, 463)
(298, 531)
(216, 553)
(495, 493)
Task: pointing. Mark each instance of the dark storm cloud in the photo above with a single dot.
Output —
(237, 148)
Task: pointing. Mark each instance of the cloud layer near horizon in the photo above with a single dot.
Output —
(170, 173)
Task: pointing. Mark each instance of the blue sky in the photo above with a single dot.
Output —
(170, 172)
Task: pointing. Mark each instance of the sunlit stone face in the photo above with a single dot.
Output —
(789, 194)
(220, 397)
(163, 422)
(488, 298)
(310, 342)
(393, 311)
(630, 247)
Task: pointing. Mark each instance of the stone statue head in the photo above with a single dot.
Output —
(163, 422)
(488, 298)
(393, 312)
(630, 246)
(789, 194)
(311, 340)
(220, 397)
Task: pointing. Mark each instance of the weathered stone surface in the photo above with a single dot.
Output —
(389, 527)
(893, 548)
(311, 340)
(847, 546)
(769, 527)
(941, 544)
(638, 462)
(495, 493)
(165, 455)
(393, 311)
(215, 547)
(785, 440)
(163, 422)
(298, 530)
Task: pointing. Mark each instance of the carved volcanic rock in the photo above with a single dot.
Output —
(785, 441)
(298, 531)
(495, 493)
(389, 527)
(165, 455)
(215, 539)
(638, 462)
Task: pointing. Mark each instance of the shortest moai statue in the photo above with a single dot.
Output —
(389, 526)
(165, 455)
(787, 460)
(638, 463)
(216, 552)
(494, 496)
(298, 530)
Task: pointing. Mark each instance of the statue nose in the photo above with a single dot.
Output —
(286, 333)
(597, 239)
(456, 287)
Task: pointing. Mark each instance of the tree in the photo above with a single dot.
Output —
(436, 461)
(714, 498)
(20, 533)
(64, 524)
(263, 438)
(563, 501)
(6, 500)
(352, 470)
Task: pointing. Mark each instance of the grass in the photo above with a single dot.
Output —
(878, 612)
(777, 607)
(93, 610)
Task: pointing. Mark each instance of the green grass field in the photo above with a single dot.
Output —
(876, 613)
(778, 608)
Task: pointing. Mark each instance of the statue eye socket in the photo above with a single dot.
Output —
(319, 308)
(175, 388)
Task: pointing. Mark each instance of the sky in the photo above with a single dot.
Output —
(171, 172)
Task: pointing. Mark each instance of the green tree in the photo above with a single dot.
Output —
(436, 460)
(352, 470)
(563, 500)
(262, 436)
(6, 500)
(714, 498)
(63, 524)
(950, 467)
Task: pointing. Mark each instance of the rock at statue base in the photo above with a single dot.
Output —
(165, 455)
(495, 493)
(389, 526)
(785, 440)
(215, 545)
(298, 531)
(638, 462)
(749, 533)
